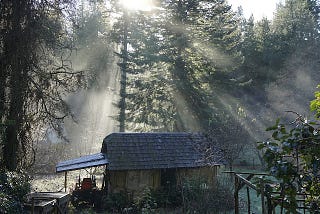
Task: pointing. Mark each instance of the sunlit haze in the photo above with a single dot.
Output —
(143, 5)
(259, 8)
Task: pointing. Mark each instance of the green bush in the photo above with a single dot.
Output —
(292, 157)
(13, 187)
(164, 197)
(148, 202)
(195, 196)
(315, 104)
(8, 205)
(168, 197)
(116, 202)
(198, 197)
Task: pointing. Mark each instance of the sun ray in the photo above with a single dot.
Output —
(138, 5)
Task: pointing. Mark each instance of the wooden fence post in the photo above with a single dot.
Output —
(262, 199)
(32, 208)
(236, 194)
(65, 181)
(269, 205)
(249, 202)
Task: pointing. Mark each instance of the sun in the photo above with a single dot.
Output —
(142, 5)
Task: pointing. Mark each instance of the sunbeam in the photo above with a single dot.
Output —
(138, 5)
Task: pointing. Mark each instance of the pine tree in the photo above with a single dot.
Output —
(194, 43)
(314, 7)
(296, 24)
(37, 75)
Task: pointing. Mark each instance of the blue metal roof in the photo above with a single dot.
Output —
(93, 160)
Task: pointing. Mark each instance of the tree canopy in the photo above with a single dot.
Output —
(36, 74)
(184, 65)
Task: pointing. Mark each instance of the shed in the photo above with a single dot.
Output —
(135, 161)
(140, 160)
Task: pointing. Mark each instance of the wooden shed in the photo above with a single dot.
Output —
(135, 161)
(140, 160)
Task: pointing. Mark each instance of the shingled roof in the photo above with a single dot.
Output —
(128, 151)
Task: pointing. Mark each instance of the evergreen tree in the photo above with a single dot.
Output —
(205, 51)
(121, 35)
(178, 41)
(150, 95)
(36, 75)
(295, 24)
(314, 7)
(91, 32)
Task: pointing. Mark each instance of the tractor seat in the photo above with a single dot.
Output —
(86, 184)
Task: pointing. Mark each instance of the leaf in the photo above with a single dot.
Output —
(275, 135)
(273, 144)
(260, 146)
(283, 130)
(275, 127)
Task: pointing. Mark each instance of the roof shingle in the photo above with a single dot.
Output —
(128, 151)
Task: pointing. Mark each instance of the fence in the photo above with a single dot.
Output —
(271, 202)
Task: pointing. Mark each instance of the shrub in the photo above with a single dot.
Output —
(116, 202)
(13, 187)
(292, 157)
(197, 197)
(164, 197)
(148, 202)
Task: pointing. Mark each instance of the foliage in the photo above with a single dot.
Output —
(230, 135)
(314, 8)
(173, 62)
(94, 48)
(36, 74)
(116, 202)
(163, 197)
(48, 155)
(298, 31)
(292, 156)
(194, 195)
(177, 64)
(147, 203)
(315, 104)
(150, 101)
(197, 197)
(13, 188)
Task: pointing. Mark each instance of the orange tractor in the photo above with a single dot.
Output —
(86, 192)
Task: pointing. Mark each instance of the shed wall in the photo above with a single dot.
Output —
(134, 182)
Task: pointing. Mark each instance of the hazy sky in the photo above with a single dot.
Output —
(259, 8)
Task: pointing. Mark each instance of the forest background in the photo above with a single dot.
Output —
(72, 72)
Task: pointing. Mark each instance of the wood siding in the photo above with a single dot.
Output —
(134, 182)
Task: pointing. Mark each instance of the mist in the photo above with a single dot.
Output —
(213, 70)
(95, 109)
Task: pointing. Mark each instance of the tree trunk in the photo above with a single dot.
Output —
(16, 53)
(123, 81)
